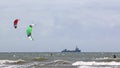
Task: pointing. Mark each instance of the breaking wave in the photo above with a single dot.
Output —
(23, 64)
(19, 61)
(94, 64)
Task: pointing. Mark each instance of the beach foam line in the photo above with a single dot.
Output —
(83, 63)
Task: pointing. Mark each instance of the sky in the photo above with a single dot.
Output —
(91, 25)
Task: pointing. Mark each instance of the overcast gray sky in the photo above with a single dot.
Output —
(92, 25)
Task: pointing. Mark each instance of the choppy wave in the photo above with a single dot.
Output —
(39, 59)
(19, 64)
(19, 61)
(62, 62)
(55, 62)
(11, 63)
(107, 59)
(52, 64)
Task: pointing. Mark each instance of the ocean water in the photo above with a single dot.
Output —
(59, 60)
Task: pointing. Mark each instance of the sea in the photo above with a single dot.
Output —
(59, 60)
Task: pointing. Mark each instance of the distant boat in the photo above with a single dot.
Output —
(76, 50)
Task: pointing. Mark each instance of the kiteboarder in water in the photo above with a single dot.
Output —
(114, 56)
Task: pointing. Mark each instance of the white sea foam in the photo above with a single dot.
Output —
(95, 63)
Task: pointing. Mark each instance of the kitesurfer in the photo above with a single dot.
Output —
(29, 31)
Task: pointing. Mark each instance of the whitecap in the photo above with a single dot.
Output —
(95, 63)
(12, 61)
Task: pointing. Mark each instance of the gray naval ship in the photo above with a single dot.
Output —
(76, 50)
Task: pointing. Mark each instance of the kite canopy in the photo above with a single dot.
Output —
(15, 23)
